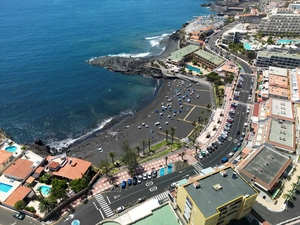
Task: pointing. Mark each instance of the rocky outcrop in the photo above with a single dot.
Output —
(39, 147)
(128, 65)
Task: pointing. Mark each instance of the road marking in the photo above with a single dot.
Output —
(101, 214)
(230, 138)
(154, 188)
(149, 183)
(235, 140)
(116, 196)
(108, 200)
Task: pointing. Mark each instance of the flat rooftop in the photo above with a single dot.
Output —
(266, 165)
(181, 53)
(281, 133)
(210, 57)
(208, 199)
(268, 54)
(282, 108)
(279, 91)
(278, 81)
(278, 71)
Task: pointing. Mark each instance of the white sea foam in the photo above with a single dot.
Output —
(125, 55)
(67, 142)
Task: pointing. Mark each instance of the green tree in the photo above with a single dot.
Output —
(58, 190)
(129, 156)
(149, 144)
(138, 149)
(173, 133)
(47, 204)
(19, 205)
(143, 143)
(287, 197)
(46, 178)
(208, 106)
(182, 154)
(78, 184)
(167, 134)
(104, 166)
(112, 155)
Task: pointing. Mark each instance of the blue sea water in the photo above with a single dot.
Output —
(48, 91)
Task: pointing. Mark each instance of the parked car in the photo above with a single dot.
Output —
(142, 199)
(154, 173)
(140, 179)
(239, 144)
(149, 175)
(200, 155)
(145, 176)
(235, 149)
(123, 184)
(230, 154)
(19, 215)
(238, 132)
(224, 160)
(129, 182)
(134, 181)
(243, 134)
(120, 209)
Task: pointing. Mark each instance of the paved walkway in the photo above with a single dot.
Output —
(155, 164)
(280, 205)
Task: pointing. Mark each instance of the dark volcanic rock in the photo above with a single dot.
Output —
(127, 65)
(40, 148)
(5, 134)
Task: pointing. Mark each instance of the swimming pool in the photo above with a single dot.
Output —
(11, 148)
(285, 41)
(247, 46)
(5, 187)
(45, 189)
(197, 70)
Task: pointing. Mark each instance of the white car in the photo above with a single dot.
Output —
(144, 176)
(149, 175)
(120, 209)
(200, 156)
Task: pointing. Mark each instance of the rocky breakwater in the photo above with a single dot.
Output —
(128, 65)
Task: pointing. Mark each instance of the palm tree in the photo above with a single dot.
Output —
(173, 133)
(112, 155)
(208, 106)
(205, 120)
(143, 143)
(182, 154)
(46, 205)
(291, 192)
(294, 185)
(287, 197)
(138, 149)
(167, 133)
(149, 144)
(166, 158)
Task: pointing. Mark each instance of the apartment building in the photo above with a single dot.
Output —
(295, 6)
(281, 21)
(182, 55)
(208, 59)
(277, 59)
(216, 198)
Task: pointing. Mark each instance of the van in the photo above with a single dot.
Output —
(224, 160)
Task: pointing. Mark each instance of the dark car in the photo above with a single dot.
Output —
(239, 144)
(154, 173)
(129, 182)
(19, 215)
(238, 132)
(123, 184)
(134, 181)
(142, 199)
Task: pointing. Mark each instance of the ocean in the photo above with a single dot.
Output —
(48, 91)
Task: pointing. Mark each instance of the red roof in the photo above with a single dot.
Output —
(19, 194)
(256, 109)
(19, 169)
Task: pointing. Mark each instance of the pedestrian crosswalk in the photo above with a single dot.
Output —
(104, 205)
(197, 167)
(161, 196)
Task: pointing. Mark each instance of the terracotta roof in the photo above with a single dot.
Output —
(256, 109)
(39, 170)
(19, 169)
(4, 155)
(30, 180)
(245, 152)
(73, 170)
(53, 165)
(19, 194)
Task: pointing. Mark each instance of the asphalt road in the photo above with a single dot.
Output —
(95, 211)
(6, 218)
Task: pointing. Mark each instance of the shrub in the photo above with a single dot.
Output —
(19, 205)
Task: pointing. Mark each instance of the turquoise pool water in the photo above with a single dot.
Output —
(45, 189)
(247, 46)
(5, 187)
(11, 148)
(197, 70)
(285, 41)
